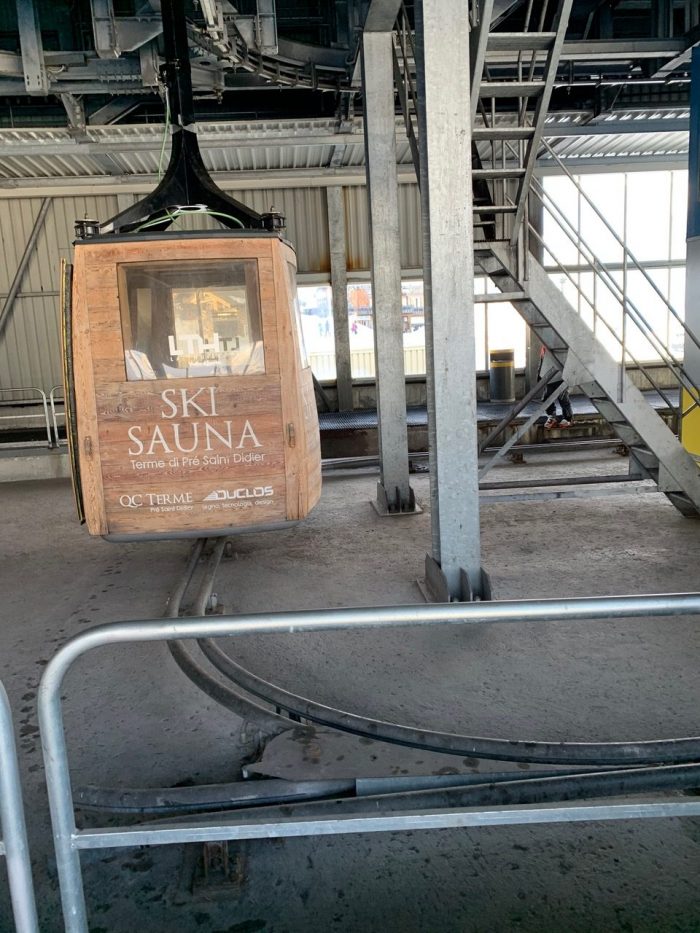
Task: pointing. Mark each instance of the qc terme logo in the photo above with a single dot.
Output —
(257, 492)
(139, 500)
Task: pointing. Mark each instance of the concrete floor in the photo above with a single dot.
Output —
(133, 719)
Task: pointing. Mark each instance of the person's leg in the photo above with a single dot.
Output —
(551, 387)
(566, 409)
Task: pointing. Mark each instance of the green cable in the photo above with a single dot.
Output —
(180, 211)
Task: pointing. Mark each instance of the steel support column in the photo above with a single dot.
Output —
(394, 493)
(339, 284)
(442, 39)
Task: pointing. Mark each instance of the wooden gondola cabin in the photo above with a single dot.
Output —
(193, 409)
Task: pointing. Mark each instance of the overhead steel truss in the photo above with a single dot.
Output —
(226, 43)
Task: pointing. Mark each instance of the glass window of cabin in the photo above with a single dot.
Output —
(191, 319)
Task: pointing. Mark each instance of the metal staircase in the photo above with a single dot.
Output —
(512, 79)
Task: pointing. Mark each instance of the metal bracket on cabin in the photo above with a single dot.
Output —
(187, 182)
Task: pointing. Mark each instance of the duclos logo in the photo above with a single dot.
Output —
(256, 492)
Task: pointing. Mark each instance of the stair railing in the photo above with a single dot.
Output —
(599, 317)
(629, 257)
(404, 63)
(629, 310)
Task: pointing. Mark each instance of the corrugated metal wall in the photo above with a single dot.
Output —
(30, 343)
(357, 228)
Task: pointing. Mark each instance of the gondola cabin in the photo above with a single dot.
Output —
(192, 401)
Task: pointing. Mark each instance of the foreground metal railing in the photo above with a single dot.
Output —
(70, 841)
(13, 844)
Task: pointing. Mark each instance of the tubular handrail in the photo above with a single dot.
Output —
(626, 250)
(628, 308)
(13, 843)
(612, 331)
(69, 840)
(56, 391)
(597, 267)
(41, 396)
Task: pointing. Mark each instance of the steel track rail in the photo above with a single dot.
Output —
(243, 684)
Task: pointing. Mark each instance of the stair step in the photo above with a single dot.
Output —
(520, 41)
(511, 88)
(500, 296)
(646, 457)
(502, 132)
(498, 173)
(494, 209)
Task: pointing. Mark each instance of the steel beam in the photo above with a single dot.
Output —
(36, 80)
(23, 263)
(11, 65)
(442, 35)
(683, 58)
(381, 16)
(394, 491)
(335, 200)
(104, 28)
(113, 110)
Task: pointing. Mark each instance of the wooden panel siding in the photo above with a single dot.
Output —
(203, 454)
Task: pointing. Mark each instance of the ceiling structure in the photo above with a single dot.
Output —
(277, 86)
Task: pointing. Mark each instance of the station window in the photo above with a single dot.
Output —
(191, 319)
(646, 211)
(316, 314)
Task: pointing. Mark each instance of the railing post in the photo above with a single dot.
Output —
(14, 833)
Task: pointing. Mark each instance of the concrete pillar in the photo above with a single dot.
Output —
(442, 35)
(394, 491)
(339, 285)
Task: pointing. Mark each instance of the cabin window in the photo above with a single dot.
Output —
(184, 320)
(296, 313)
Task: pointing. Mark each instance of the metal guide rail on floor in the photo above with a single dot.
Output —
(13, 843)
(408, 811)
